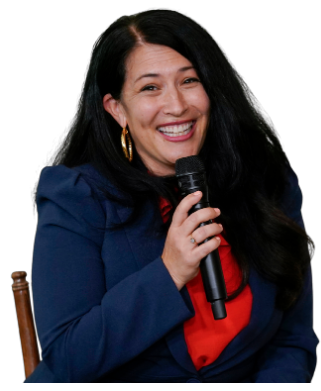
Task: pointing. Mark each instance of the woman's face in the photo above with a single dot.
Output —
(164, 105)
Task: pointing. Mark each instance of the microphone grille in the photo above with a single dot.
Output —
(189, 164)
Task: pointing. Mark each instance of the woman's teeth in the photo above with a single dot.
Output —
(177, 130)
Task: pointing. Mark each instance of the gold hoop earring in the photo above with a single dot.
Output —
(125, 135)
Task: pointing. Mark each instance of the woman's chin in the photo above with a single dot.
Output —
(189, 152)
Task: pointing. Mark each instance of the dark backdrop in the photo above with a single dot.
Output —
(46, 54)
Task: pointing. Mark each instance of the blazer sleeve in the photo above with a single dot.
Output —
(86, 331)
(290, 356)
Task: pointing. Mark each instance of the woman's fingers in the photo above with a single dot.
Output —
(201, 216)
(180, 257)
(181, 212)
(204, 249)
(206, 231)
(191, 222)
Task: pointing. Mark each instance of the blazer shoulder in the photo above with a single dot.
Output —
(61, 180)
(70, 194)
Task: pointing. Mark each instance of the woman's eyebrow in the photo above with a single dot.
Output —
(157, 74)
(147, 75)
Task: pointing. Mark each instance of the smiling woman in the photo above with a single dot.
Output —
(117, 291)
(165, 106)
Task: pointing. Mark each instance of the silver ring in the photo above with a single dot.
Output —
(192, 240)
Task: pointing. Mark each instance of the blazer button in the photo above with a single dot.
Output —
(193, 380)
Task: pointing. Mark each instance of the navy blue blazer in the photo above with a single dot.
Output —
(107, 310)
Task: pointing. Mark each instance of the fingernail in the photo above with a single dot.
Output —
(218, 238)
(197, 193)
(217, 210)
(221, 226)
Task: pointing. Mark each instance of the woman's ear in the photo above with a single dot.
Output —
(115, 109)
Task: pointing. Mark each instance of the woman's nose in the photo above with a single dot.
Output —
(175, 103)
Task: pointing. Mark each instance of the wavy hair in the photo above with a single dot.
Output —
(246, 165)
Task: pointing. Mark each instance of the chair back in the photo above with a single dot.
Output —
(26, 324)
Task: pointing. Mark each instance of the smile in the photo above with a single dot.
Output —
(176, 130)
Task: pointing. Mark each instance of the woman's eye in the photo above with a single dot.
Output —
(149, 88)
(191, 80)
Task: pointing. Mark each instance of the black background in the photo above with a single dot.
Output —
(46, 55)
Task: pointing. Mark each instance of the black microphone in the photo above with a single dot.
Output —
(191, 176)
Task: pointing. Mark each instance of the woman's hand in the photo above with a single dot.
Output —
(180, 256)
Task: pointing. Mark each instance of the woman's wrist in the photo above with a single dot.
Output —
(179, 284)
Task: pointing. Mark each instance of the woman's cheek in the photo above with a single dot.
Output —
(199, 99)
(148, 118)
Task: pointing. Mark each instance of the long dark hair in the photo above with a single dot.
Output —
(246, 165)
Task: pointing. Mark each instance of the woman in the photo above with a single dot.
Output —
(117, 293)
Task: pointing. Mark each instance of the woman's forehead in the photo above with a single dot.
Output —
(149, 59)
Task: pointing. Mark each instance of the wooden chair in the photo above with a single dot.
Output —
(26, 324)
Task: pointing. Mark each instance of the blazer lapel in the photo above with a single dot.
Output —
(147, 242)
(144, 236)
(176, 342)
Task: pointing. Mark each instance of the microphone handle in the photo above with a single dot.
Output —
(212, 275)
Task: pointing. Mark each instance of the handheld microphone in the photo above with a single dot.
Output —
(191, 176)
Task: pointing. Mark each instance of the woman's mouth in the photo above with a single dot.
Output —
(179, 132)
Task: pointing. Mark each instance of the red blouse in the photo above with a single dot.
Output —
(205, 337)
